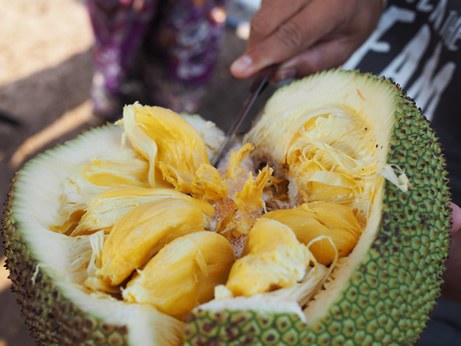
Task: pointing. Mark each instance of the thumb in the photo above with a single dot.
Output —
(243, 67)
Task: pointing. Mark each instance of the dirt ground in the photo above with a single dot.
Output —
(45, 77)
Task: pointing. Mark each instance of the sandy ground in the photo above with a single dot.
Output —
(45, 76)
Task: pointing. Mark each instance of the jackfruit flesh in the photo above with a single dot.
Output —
(143, 231)
(330, 155)
(156, 212)
(115, 173)
(107, 208)
(242, 210)
(273, 258)
(316, 219)
(173, 146)
(237, 213)
(183, 274)
(120, 168)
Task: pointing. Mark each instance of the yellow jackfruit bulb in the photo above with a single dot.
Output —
(143, 231)
(126, 169)
(336, 216)
(122, 167)
(174, 147)
(183, 274)
(273, 258)
(317, 219)
(105, 209)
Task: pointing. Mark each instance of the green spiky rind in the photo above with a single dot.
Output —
(389, 297)
(52, 319)
(243, 328)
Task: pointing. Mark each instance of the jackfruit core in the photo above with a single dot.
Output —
(169, 230)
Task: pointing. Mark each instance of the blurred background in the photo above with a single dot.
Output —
(45, 79)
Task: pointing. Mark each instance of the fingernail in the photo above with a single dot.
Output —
(288, 73)
(241, 64)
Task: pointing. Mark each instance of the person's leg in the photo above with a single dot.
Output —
(182, 50)
(119, 28)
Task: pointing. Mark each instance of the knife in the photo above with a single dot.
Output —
(256, 88)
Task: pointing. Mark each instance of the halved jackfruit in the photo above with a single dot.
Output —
(347, 154)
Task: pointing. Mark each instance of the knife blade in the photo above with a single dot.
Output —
(256, 88)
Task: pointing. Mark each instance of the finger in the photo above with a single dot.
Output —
(456, 218)
(270, 16)
(292, 37)
(321, 56)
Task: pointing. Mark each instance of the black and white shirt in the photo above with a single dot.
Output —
(418, 44)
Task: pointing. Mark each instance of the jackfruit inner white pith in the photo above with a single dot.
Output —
(143, 220)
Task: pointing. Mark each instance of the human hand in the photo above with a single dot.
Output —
(306, 36)
(452, 276)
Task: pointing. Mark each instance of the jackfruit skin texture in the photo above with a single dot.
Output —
(389, 296)
(51, 318)
(227, 327)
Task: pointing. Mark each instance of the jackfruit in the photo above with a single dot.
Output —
(347, 154)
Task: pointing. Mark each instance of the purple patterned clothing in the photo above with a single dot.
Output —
(168, 47)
